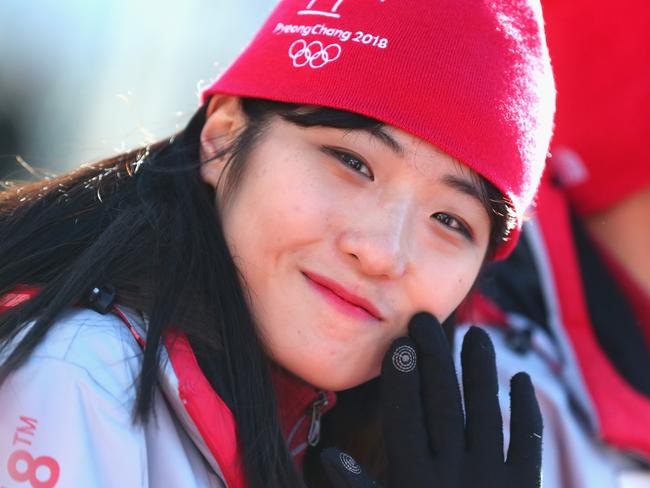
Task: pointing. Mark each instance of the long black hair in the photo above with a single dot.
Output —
(137, 219)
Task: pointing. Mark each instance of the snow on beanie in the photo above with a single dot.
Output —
(471, 77)
(601, 57)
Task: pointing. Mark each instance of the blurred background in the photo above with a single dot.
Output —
(85, 79)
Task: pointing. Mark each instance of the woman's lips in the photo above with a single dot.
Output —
(343, 299)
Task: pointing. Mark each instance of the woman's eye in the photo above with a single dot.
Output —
(351, 161)
(453, 223)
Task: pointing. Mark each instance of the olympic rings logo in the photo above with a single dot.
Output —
(313, 54)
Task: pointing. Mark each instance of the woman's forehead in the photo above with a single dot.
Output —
(408, 146)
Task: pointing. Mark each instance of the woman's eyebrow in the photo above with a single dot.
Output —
(386, 139)
(464, 185)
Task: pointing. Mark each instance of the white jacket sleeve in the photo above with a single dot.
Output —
(66, 415)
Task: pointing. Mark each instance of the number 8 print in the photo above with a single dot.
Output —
(21, 457)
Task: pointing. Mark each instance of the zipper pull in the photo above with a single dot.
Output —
(313, 436)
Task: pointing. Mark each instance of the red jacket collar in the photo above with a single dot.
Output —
(300, 406)
(215, 422)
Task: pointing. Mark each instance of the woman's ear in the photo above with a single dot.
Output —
(224, 118)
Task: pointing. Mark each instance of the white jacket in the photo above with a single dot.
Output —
(66, 415)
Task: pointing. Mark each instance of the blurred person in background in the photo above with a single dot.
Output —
(572, 304)
(182, 314)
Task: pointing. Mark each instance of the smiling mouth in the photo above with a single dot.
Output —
(342, 299)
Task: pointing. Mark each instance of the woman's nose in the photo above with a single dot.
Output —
(378, 241)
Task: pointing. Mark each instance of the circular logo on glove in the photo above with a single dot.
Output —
(349, 463)
(404, 359)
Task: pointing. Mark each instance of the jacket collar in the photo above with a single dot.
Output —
(301, 407)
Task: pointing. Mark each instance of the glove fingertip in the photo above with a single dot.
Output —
(524, 402)
(522, 379)
(478, 347)
(423, 319)
(426, 331)
(477, 334)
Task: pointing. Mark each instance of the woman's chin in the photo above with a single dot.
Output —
(336, 380)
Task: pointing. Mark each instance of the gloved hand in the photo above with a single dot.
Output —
(429, 442)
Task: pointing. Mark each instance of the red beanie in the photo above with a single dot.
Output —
(472, 77)
(601, 58)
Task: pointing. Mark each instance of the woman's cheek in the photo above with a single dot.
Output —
(445, 285)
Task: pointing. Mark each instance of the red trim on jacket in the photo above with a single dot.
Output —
(212, 417)
(619, 408)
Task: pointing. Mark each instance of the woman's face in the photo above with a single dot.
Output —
(341, 236)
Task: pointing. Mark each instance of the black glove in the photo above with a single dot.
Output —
(429, 442)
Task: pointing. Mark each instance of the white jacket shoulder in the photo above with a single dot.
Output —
(96, 352)
(101, 345)
(67, 411)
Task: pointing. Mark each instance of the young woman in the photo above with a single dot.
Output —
(180, 315)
